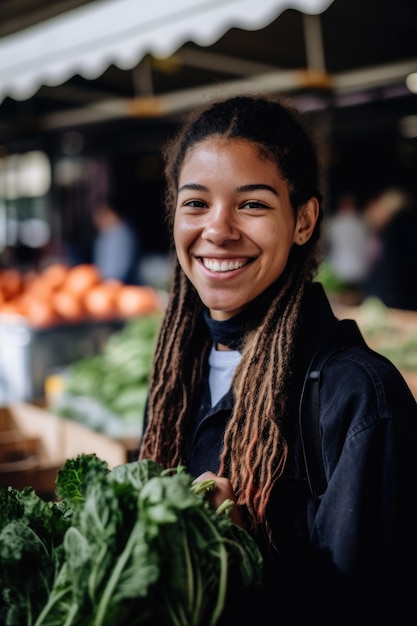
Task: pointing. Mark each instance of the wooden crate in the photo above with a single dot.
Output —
(35, 443)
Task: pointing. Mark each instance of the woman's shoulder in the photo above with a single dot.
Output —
(364, 389)
(345, 348)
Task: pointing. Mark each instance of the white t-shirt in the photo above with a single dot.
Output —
(222, 365)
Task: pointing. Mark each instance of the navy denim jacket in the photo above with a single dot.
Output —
(355, 551)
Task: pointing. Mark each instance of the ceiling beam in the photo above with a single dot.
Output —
(288, 81)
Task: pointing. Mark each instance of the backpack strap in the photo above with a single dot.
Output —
(345, 333)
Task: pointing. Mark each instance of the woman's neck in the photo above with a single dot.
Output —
(221, 347)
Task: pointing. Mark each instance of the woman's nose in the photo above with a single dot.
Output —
(221, 225)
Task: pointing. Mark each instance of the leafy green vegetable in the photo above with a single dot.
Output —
(137, 545)
(73, 479)
(331, 283)
(31, 551)
(115, 381)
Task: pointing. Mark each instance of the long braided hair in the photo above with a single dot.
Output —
(254, 447)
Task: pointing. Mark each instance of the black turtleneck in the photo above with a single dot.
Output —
(230, 332)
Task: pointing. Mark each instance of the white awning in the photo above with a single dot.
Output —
(87, 40)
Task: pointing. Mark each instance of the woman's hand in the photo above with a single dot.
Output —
(222, 491)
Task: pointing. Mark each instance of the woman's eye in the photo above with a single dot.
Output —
(194, 203)
(254, 204)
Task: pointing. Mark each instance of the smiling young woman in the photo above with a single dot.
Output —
(244, 319)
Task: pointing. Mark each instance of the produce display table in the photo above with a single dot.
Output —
(392, 332)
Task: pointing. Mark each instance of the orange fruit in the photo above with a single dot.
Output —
(81, 278)
(137, 300)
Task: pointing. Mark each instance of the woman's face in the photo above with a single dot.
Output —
(234, 225)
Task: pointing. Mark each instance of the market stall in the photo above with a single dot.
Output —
(75, 355)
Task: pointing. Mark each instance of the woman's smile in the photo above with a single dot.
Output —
(224, 265)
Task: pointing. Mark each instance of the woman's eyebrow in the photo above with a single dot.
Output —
(257, 187)
(242, 188)
(193, 187)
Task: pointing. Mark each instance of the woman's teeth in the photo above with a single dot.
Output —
(223, 266)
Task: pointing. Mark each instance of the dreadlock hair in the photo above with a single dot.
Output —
(254, 447)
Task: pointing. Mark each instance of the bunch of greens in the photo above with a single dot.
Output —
(113, 384)
(135, 545)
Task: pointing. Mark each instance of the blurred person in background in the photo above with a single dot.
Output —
(117, 246)
(347, 243)
(392, 216)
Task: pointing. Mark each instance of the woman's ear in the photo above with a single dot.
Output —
(306, 221)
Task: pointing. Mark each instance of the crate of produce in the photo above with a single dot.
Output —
(35, 443)
(28, 354)
(51, 318)
(107, 392)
